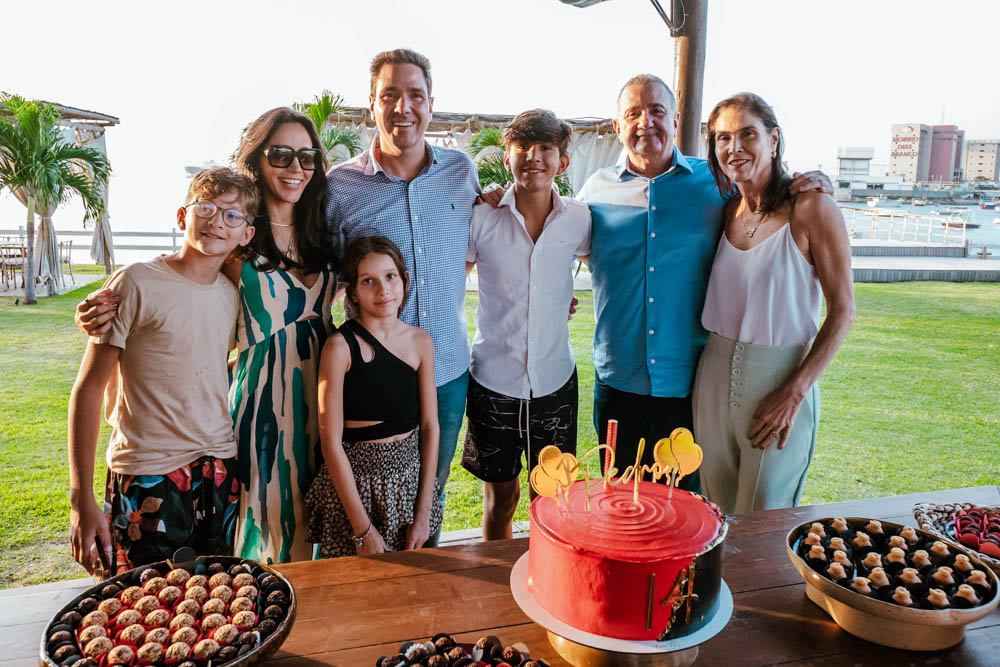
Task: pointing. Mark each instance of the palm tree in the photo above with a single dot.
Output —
(319, 111)
(36, 162)
(491, 168)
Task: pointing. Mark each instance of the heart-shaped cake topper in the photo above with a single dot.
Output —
(555, 472)
(686, 452)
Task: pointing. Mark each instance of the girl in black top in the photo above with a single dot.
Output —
(377, 417)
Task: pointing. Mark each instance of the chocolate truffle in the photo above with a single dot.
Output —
(96, 617)
(65, 651)
(98, 646)
(220, 579)
(185, 636)
(196, 593)
(213, 606)
(243, 579)
(177, 652)
(149, 653)
(188, 607)
(227, 653)
(111, 590)
(181, 621)
(216, 568)
(224, 593)
(131, 595)
(812, 539)
(120, 655)
(274, 611)
(157, 618)
(977, 578)
(267, 626)
(839, 524)
(71, 618)
(188, 663)
(146, 604)
(111, 607)
(211, 622)
(154, 585)
(62, 636)
(177, 576)
(244, 620)
(226, 634)
(169, 595)
(158, 636)
(87, 605)
(437, 661)
(248, 638)
(267, 581)
(93, 632)
(240, 604)
(133, 634)
(239, 568)
(206, 648)
(128, 617)
(197, 580)
(278, 597)
(147, 574)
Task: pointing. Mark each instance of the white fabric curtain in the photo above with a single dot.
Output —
(102, 248)
(46, 250)
(591, 151)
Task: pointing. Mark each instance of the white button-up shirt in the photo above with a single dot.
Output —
(521, 347)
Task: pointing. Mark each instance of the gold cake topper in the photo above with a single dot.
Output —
(674, 458)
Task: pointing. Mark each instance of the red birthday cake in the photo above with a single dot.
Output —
(648, 570)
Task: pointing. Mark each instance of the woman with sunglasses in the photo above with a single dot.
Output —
(287, 282)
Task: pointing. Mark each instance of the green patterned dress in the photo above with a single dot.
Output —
(283, 325)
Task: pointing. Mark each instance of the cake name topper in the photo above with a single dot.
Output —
(674, 458)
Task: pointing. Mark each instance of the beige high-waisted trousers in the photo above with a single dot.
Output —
(732, 379)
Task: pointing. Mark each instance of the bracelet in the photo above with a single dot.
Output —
(359, 540)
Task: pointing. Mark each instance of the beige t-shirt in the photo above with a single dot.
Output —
(175, 335)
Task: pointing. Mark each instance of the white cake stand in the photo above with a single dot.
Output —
(584, 648)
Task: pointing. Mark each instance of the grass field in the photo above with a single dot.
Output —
(909, 405)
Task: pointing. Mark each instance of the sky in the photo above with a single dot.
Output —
(184, 77)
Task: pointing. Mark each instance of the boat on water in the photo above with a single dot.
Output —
(872, 202)
(988, 203)
(958, 223)
(918, 202)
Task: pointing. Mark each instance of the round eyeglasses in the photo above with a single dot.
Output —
(206, 210)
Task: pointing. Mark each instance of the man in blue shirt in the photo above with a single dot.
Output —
(657, 217)
(420, 196)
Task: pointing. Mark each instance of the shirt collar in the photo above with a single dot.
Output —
(373, 167)
(508, 200)
(679, 161)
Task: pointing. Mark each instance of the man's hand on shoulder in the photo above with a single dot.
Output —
(94, 314)
(493, 195)
(811, 180)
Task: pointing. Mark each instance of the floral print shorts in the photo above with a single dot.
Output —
(151, 516)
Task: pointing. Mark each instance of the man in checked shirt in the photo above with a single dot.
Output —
(420, 196)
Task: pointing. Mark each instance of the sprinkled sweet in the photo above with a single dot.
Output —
(901, 596)
(213, 606)
(206, 648)
(937, 598)
(213, 621)
(197, 593)
(186, 635)
(131, 595)
(146, 604)
(243, 579)
(247, 591)
(196, 580)
(188, 607)
(244, 620)
(158, 636)
(177, 576)
(92, 632)
(111, 606)
(181, 621)
(128, 617)
(220, 579)
(99, 646)
(96, 617)
(240, 604)
(177, 652)
(133, 634)
(149, 653)
(169, 595)
(224, 593)
(154, 585)
(120, 655)
(157, 618)
(226, 634)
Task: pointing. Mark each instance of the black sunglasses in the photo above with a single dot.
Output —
(280, 155)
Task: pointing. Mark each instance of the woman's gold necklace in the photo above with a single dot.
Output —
(750, 231)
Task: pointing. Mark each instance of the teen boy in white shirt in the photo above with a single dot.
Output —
(523, 386)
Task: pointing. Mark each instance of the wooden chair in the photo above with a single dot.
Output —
(13, 257)
(66, 259)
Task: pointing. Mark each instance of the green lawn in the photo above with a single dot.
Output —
(909, 405)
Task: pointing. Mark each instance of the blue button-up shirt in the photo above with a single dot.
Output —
(428, 218)
(652, 246)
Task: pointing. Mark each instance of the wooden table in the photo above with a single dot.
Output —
(352, 610)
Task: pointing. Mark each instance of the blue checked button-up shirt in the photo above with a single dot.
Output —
(428, 218)
(652, 246)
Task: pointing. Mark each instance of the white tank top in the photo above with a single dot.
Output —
(767, 295)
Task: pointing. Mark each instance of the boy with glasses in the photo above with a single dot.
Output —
(171, 474)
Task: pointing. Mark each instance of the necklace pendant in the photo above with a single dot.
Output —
(750, 232)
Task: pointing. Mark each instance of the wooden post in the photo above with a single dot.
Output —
(689, 75)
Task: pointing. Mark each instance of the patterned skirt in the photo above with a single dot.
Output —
(388, 478)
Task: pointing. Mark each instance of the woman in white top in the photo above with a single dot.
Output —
(756, 401)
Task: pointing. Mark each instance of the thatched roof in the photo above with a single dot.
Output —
(443, 122)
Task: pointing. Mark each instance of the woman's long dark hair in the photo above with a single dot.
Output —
(776, 192)
(312, 240)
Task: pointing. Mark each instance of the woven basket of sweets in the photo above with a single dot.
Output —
(216, 610)
(942, 520)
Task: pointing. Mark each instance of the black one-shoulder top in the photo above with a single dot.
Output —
(384, 389)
